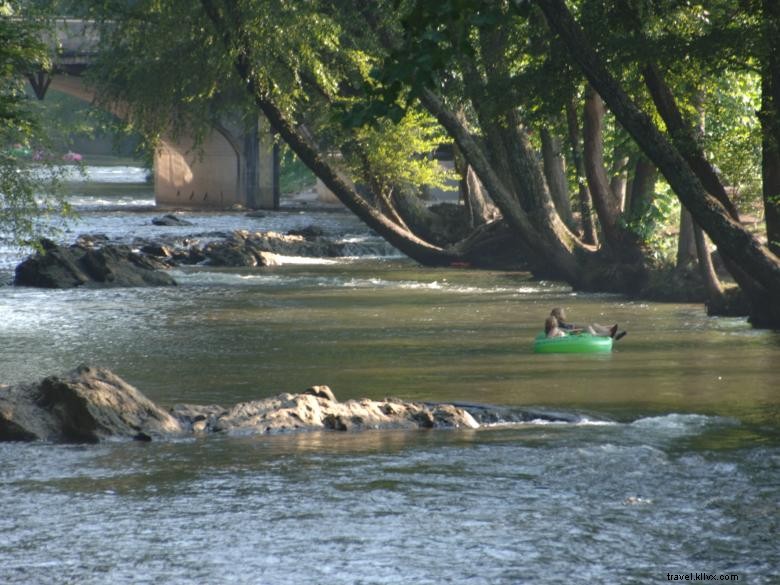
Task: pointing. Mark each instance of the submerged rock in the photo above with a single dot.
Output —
(170, 220)
(94, 404)
(84, 265)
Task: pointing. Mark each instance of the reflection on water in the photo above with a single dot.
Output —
(681, 474)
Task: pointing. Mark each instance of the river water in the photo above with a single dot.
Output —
(673, 467)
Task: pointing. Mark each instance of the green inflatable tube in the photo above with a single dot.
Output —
(579, 343)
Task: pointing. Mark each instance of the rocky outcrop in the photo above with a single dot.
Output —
(85, 406)
(318, 409)
(244, 248)
(82, 264)
(93, 261)
(94, 404)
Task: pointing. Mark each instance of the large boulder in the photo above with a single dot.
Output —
(84, 406)
(109, 266)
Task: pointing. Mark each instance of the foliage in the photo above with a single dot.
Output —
(166, 64)
(29, 190)
(293, 174)
(656, 225)
(732, 135)
(400, 154)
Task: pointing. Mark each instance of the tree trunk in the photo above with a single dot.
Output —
(555, 172)
(618, 184)
(619, 241)
(583, 193)
(684, 138)
(229, 26)
(472, 192)
(598, 181)
(481, 210)
(715, 292)
(770, 123)
(551, 257)
(731, 238)
(686, 242)
(770, 175)
(642, 191)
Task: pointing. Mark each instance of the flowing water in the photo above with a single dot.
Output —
(673, 469)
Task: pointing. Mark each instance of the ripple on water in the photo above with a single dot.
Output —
(531, 504)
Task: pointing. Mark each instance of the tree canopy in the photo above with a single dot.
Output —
(561, 113)
(28, 192)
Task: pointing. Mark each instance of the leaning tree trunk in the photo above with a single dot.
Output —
(560, 252)
(509, 170)
(230, 28)
(731, 238)
(684, 138)
(688, 143)
(472, 193)
(550, 257)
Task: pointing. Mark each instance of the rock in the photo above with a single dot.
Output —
(56, 267)
(94, 404)
(170, 220)
(321, 392)
(310, 232)
(237, 251)
(77, 265)
(243, 248)
(85, 406)
(198, 418)
(91, 240)
(157, 250)
(229, 253)
(317, 411)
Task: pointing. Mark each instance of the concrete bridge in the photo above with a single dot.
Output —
(236, 165)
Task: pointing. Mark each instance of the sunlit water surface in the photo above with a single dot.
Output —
(676, 471)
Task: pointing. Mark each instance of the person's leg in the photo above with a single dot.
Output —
(602, 330)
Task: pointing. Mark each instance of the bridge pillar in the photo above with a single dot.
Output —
(233, 166)
(260, 177)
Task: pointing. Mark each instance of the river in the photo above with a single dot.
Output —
(672, 469)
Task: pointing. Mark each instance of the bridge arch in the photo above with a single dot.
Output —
(233, 166)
